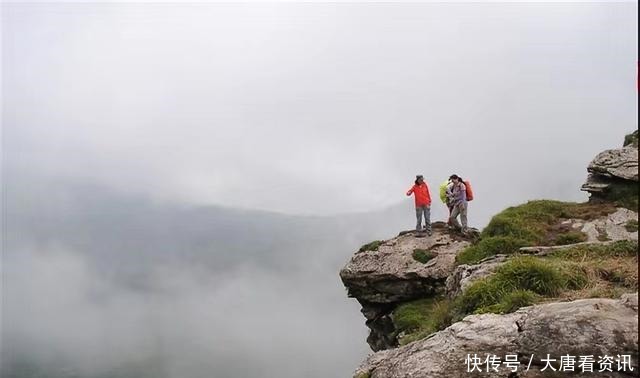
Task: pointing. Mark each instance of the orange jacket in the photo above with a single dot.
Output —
(421, 193)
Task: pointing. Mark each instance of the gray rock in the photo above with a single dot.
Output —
(612, 226)
(391, 274)
(620, 162)
(464, 275)
(595, 327)
(382, 279)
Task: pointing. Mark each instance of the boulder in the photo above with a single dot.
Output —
(621, 163)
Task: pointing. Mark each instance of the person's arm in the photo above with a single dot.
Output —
(428, 194)
(411, 190)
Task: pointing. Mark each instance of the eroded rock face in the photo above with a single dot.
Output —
(612, 168)
(583, 327)
(621, 163)
(391, 274)
(381, 280)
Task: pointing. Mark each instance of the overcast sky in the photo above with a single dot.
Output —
(317, 108)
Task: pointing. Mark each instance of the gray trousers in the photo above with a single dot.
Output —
(426, 211)
(459, 209)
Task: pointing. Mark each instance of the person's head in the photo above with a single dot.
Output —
(419, 179)
(455, 179)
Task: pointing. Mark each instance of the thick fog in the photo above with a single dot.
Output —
(182, 183)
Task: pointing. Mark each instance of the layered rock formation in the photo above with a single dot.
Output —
(381, 279)
(613, 169)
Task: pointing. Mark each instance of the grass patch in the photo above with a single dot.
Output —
(373, 246)
(631, 226)
(532, 223)
(610, 269)
(422, 255)
(420, 318)
(516, 281)
(620, 248)
(489, 246)
(510, 302)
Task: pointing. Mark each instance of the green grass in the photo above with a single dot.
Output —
(523, 273)
(631, 226)
(582, 271)
(528, 224)
(522, 281)
(373, 246)
(420, 318)
(511, 301)
(422, 255)
(620, 248)
(531, 221)
(489, 246)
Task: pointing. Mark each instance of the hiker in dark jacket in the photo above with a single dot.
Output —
(423, 203)
(458, 200)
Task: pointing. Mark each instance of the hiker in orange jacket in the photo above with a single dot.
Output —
(423, 203)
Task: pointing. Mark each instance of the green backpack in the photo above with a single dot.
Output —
(443, 191)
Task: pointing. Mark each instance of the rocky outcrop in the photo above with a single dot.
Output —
(620, 162)
(385, 275)
(597, 327)
(612, 168)
(390, 275)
